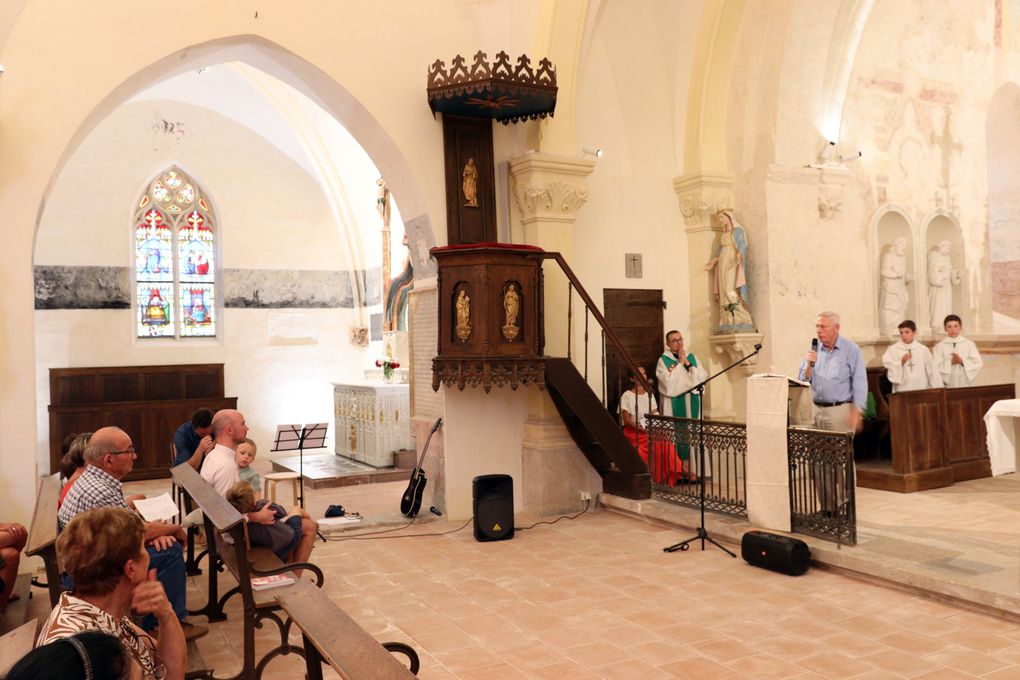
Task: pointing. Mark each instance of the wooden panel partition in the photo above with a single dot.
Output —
(147, 402)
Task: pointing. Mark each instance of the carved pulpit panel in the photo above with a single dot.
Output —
(490, 321)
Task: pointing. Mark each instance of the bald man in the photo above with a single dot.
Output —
(220, 467)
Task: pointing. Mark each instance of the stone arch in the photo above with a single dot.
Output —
(303, 76)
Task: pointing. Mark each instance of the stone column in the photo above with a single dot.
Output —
(549, 190)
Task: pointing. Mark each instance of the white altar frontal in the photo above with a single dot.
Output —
(372, 421)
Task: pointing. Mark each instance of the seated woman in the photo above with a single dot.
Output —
(85, 656)
(635, 404)
(664, 465)
(73, 462)
(290, 537)
(103, 551)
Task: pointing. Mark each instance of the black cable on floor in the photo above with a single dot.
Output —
(587, 506)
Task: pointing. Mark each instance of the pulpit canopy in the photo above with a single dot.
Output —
(500, 92)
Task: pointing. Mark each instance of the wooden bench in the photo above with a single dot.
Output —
(228, 547)
(331, 636)
(16, 644)
(42, 533)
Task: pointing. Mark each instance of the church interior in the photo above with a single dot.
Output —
(266, 207)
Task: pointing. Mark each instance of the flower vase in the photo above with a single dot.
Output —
(387, 374)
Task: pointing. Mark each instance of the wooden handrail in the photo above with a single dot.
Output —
(590, 304)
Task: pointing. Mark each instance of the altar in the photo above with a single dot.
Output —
(373, 419)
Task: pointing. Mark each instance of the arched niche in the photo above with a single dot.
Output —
(941, 229)
(1003, 134)
(890, 227)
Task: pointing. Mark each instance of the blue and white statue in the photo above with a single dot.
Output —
(730, 264)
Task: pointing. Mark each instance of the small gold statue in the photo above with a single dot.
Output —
(511, 305)
(463, 316)
(470, 184)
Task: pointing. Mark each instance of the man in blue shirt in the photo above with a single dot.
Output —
(839, 383)
(839, 389)
(193, 439)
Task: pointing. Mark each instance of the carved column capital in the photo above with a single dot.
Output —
(549, 188)
(701, 196)
(732, 346)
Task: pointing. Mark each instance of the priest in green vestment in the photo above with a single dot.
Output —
(678, 371)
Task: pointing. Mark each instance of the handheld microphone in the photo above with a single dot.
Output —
(814, 348)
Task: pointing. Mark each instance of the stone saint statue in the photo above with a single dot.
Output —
(730, 275)
(470, 184)
(463, 329)
(893, 299)
(941, 279)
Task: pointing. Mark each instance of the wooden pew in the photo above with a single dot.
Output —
(331, 636)
(42, 534)
(16, 644)
(228, 546)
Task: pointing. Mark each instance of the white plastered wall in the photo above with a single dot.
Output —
(270, 216)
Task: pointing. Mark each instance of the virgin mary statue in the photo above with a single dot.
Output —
(730, 278)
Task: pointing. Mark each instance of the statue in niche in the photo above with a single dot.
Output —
(469, 185)
(893, 298)
(941, 279)
(463, 305)
(511, 306)
(730, 264)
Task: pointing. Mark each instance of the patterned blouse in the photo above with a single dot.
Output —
(72, 616)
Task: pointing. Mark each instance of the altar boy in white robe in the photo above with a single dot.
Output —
(956, 357)
(909, 364)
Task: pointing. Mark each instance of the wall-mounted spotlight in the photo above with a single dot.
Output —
(851, 157)
(591, 151)
(828, 153)
(1, 69)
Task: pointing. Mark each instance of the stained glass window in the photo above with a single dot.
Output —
(175, 272)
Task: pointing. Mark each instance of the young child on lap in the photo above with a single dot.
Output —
(245, 456)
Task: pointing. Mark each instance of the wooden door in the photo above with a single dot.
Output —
(636, 317)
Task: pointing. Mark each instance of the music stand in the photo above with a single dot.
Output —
(298, 438)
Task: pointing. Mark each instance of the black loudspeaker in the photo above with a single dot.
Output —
(778, 553)
(493, 504)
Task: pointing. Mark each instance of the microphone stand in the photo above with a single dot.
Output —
(702, 534)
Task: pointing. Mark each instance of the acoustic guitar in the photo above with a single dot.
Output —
(410, 502)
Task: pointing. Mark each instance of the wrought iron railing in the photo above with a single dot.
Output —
(822, 484)
(677, 471)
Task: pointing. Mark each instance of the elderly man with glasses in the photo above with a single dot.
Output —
(109, 457)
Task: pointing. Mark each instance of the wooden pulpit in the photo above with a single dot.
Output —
(490, 316)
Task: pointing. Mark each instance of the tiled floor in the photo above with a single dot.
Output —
(596, 597)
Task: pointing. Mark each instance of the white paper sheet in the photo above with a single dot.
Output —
(156, 509)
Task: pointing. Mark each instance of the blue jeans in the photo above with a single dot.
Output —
(170, 571)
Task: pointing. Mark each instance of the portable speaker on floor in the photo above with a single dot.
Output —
(778, 553)
(493, 503)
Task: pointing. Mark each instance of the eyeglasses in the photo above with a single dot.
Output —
(129, 449)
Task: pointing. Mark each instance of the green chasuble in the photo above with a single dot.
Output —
(679, 404)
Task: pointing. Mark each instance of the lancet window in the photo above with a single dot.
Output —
(175, 266)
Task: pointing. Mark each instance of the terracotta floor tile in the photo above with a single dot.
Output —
(835, 665)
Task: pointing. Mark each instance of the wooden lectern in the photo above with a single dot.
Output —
(938, 438)
(490, 316)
